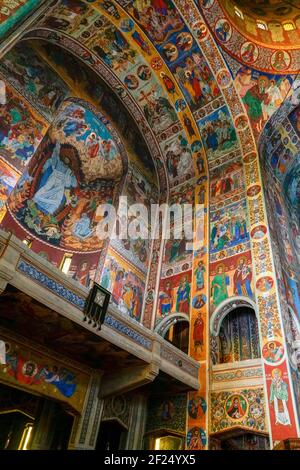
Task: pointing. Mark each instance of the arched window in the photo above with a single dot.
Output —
(238, 338)
(175, 330)
(178, 335)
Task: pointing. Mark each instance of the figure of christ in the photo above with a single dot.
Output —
(57, 177)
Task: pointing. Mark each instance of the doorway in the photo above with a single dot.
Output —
(238, 439)
(24, 417)
(112, 436)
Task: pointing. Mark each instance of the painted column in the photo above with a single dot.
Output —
(277, 377)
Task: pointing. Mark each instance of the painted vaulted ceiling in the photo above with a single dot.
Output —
(181, 69)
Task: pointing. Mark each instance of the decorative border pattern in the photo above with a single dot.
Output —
(120, 327)
(33, 273)
(237, 374)
(177, 361)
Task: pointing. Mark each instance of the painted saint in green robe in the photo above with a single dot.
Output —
(219, 285)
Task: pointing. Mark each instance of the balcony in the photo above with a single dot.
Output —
(40, 303)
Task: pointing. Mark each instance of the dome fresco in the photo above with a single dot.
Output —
(264, 34)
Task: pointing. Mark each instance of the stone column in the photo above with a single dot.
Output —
(137, 423)
(44, 427)
(85, 428)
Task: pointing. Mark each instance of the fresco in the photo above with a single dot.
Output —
(279, 393)
(125, 283)
(244, 408)
(138, 190)
(58, 197)
(272, 15)
(280, 159)
(176, 250)
(178, 158)
(291, 189)
(21, 129)
(196, 439)
(195, 78)
(36, 81)
(175, 294)
(111, 46)
(8, 180)
(294, 118)
(231, 277)
(220, 140)
(292, 290)
(218, 133)
(290, 249)
(261, 93)
(168, 414)
(83, 268)
(226, 183)
(43, 374)
(229, 228)
(165, 27)
(272, 28)
(85, 79)
(159, 20)
(71, 16)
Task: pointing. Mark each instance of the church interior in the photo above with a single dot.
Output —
(152, 103)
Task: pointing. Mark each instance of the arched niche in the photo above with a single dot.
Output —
(175, 329)
(234, 332)
(101, 87)
(80, 165)
(224, 308)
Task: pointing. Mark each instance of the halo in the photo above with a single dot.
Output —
(222, 265)
(276, 370)
(34, 370)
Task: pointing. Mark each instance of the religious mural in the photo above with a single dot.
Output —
(218, 133)
(57, 198)
(8, 180)
(21, 129)
(241, 407)
(268, 25)
(179, 159)
(138, 189)
(280, 165)
(93, 86)
(125, 283)
(168, 414)
(262, 94)
(231, 277)
(43, 374)
(34, 79)
(229, 228)
(226, 183)
(175, 294)
(153, 48)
